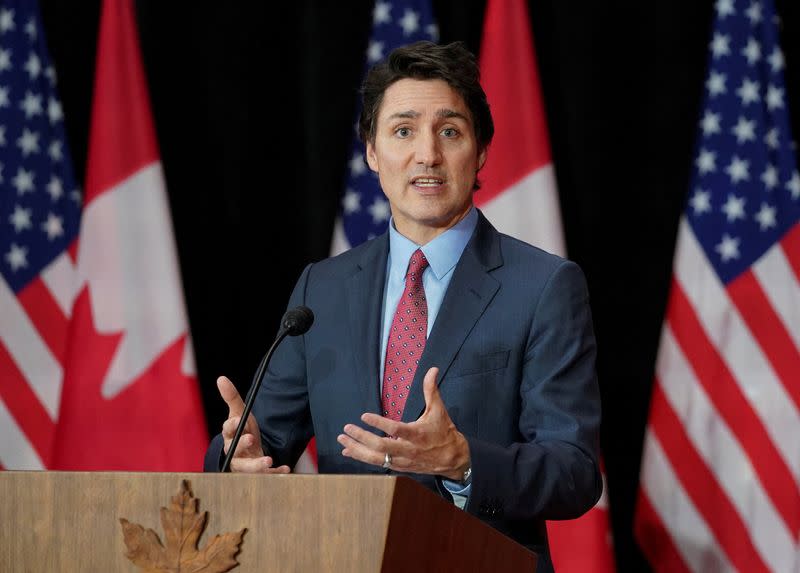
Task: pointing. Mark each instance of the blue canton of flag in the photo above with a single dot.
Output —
(365, 210)
(745, 192)
(39, 203)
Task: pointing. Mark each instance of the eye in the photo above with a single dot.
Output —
(450, 132)
(402, 132)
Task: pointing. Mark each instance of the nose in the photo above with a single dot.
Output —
(427, 150)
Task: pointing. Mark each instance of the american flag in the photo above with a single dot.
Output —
(40, 210)
(719, 481)
(365, 210)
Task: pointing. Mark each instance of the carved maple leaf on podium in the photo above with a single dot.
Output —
(183, 525)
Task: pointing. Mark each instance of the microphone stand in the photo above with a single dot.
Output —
(251, 398)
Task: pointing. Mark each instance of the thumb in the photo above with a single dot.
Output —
(231, 396)
(429, 388)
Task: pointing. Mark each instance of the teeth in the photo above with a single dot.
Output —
(427, 182)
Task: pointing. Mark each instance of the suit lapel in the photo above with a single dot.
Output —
(470, 291)
(365, 304)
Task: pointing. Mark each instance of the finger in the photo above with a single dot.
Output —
(248, 447)
(367, 438)
(358, 451)
(429, 388)
(229, 427)
(262, 465)
(231, 396)
(245, 447)
(375, 444)
(389, 427)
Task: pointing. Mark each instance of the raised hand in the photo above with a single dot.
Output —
(249, 456)
(429, 445)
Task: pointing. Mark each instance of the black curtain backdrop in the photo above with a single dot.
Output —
(254, 106)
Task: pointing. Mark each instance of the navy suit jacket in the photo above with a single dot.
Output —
(515, 348)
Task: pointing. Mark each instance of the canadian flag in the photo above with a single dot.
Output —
(520, 197)
(518, 187)
(130, 399)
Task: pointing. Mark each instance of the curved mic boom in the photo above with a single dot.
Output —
(295, 322)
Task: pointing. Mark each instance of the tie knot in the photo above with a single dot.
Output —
(416, 265)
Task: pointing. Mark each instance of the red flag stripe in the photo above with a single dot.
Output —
(25, 407)
(728, 333)
(31, 355)
(654, 539)
(46, 315)
(702, 487)
(782, 287)
(16, 451)
(768, 329)
(723, 455)
(791, 246)
(677, 512)
(733, 406)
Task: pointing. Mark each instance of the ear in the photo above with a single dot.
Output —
(482, 157)
(372, 159)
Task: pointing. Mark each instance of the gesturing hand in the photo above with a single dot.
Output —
(249, 456)
(430, 445)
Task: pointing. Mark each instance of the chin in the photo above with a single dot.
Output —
(439, 219)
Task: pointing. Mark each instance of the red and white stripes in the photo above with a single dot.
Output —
(719, 486)
(33, 338)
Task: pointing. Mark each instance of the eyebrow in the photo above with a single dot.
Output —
(442, 114)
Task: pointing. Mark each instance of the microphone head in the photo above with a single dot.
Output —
(297, 320)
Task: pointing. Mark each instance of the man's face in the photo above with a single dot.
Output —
(426, 156)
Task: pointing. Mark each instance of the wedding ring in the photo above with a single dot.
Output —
(387, 460)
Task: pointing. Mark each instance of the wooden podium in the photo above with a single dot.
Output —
(70, 521)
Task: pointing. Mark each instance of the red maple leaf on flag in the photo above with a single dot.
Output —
(143, 427)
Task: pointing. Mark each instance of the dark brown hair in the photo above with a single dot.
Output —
(452, 63)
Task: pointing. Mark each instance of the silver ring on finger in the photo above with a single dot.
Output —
(387, 460)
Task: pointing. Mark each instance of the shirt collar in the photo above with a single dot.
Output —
(443, 252)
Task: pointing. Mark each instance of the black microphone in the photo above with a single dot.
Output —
(295, 322)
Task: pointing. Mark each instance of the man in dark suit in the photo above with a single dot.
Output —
(442, 349)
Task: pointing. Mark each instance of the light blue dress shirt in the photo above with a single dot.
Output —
(442, 253)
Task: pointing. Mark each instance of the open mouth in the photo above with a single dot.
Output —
(427, 182)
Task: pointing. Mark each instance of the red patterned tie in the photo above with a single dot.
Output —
(406, 339)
